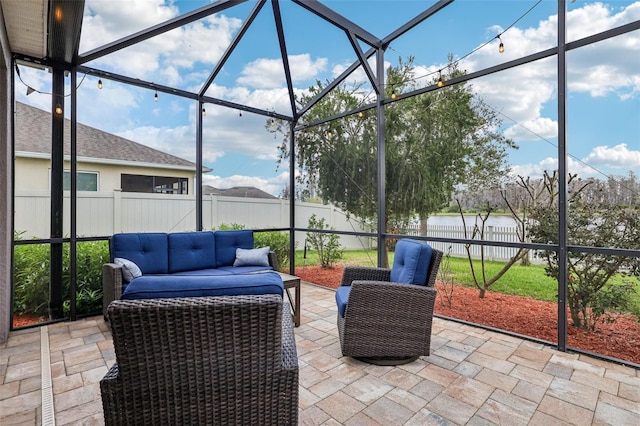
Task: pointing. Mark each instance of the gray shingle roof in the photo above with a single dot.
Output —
(237, 191)
(34, 135)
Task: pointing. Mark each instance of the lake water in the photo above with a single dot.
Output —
(471, 220)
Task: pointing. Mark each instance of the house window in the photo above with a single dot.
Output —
(85, 181)
(154, 184)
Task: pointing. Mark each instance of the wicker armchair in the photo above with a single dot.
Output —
(385, 322)
(202, 360)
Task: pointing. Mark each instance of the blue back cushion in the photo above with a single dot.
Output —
(190, 251)
(228, 241)
(411, 262)
(148, 250)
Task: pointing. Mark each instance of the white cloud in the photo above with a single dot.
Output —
(264, 73)
(160, 58)
(619, 157)
(541, 127)
(549, 164)
(598, 161)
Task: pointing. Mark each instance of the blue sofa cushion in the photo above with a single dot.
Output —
(168, 286)
(411, 262)
(148, 250)
(190, 251)
(342, 297)
(208, 272)
(244, 269)
(228, 241)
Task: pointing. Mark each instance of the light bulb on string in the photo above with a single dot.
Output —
(393, 94)
(99, 84)
(240, 114)
(59, 110)
(204, 112)
(329, 134)
(440, 80)
(361, 114)
(501, 45)
(155, 97)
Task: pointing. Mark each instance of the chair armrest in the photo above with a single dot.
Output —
(111, 285)
(397, 302)
(352, 273)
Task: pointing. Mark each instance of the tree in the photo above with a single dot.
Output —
(590, 223)
(434, 142)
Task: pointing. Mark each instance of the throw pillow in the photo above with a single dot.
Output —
(252, 257)
(129, 269)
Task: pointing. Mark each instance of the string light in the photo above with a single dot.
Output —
(440, 80)
(99, 84)
(59, 110)
(204, 112)
(393, 94)
(500, 47)
(240, 114)
(329, 134)
(361, 114)
(155, 97)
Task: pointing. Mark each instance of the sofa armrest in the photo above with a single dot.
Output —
(111, 285)
(273, 260)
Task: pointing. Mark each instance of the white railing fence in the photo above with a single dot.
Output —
(106, 213)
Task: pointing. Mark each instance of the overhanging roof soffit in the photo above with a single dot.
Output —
(158, 29)
(65, 24)
(339, 21)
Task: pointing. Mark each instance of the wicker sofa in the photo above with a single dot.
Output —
(228, 360)
(183, 264)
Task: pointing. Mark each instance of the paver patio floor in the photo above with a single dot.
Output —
(50, 375)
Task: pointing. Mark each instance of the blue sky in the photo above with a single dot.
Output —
(604, 78)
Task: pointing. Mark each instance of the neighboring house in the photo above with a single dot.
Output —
(105, 162)
(237, 191)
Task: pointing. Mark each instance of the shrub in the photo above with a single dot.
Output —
(278, 242)
(31, 277)
(327, 245)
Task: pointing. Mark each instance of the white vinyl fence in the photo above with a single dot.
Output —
(105, 213)
(491, 233)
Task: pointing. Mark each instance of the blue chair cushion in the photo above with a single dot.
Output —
(342, 297)
(148, 250)
(189, 251)
(169, 286)
(228, 241)
(411, 262)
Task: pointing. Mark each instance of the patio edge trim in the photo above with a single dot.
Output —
(48, 411)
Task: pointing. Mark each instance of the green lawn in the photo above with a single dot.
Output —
(530, 281)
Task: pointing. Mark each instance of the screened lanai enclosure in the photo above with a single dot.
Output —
(503, 133)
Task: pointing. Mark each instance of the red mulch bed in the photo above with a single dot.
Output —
(523, 315)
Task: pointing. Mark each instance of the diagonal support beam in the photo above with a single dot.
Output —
(363, 61)
(339, 21)
(285, 57)
(232, 46)
(415, 21)
(155, 30)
